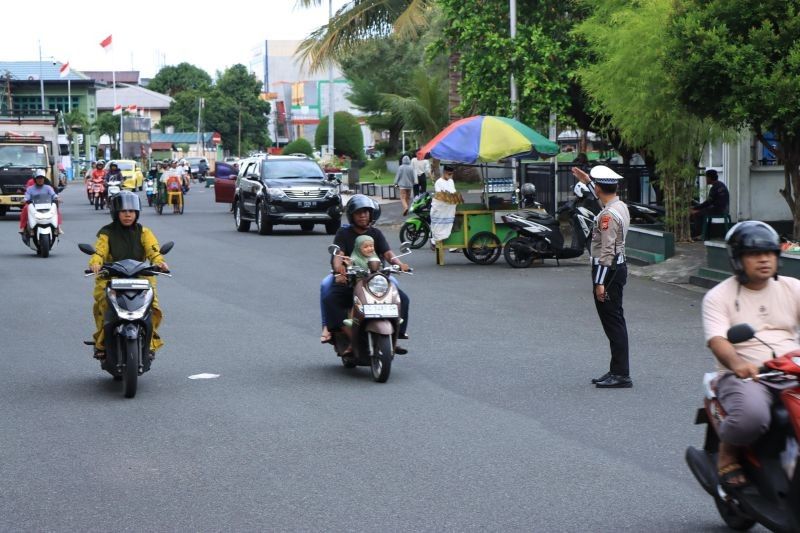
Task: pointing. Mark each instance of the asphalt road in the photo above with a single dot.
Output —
(489, 423)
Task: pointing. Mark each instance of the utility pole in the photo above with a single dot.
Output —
(239, 151)
(41, 79)
(330, 85)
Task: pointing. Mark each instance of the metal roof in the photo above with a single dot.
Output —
(132, 95)
(181, 137)
(29, 70)
(120, 76)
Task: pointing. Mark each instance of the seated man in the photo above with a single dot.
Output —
(336, 296)
(715, 205)
(755, 295)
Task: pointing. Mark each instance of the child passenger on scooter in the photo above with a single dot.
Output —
(364, 252)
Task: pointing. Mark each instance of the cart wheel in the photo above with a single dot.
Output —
(483, 248)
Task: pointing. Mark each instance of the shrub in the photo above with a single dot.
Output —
(347, 137)
(299, 146)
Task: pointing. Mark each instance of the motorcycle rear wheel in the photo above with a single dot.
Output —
(733, 518)
(514, 257)
(381, 359)
(416, 236)
(130, 374)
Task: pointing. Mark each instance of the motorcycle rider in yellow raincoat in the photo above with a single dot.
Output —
(124, 239)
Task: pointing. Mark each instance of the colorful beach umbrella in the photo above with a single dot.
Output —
(482, 139)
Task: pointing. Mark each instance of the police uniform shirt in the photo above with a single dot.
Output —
(608, 238)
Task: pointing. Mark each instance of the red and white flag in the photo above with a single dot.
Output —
(117, 110)
(131, 108)
(106, 43)
(64, 70)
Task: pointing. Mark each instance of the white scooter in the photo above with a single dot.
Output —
(41, 232)
(114, 188)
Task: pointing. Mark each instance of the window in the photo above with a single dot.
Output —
(60, 103)
(27, 103)
(760, 155)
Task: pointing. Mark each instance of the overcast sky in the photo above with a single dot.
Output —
(147, 33)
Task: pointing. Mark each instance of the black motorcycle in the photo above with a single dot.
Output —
(645, 213)
(128, 323)
(542, 236)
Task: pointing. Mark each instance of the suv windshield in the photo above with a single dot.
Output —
(287, 169)
(15, 155)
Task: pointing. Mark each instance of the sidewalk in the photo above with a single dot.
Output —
(688, 258)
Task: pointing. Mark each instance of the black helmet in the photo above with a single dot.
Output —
(125, 201)
(750, 236)
(361, 201)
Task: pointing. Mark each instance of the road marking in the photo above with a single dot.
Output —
(204, 376)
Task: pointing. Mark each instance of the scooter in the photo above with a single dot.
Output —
(114, 188)
(98, 195)
(645, 214)
(374, 320)
(772, 498)
(128, 322)
(41, 232)
(417, 228)
(541, 236)
(150, 191)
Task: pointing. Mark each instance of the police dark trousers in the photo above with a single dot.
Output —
(339, 301)
(613, 318)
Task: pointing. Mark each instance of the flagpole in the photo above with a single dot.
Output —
(114, 89)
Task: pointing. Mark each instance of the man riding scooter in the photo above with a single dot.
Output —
(336, 295)
(38, 189)
(755, 295)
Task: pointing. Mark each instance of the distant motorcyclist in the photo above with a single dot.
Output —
(337, 297)
(114, 173)
(124, 239)
(39, 189)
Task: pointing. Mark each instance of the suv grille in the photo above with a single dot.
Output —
(305, 194)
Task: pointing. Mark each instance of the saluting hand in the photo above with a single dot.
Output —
(580, 175)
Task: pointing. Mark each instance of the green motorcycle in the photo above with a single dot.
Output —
(417, 227)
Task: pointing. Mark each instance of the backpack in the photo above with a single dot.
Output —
(173, 183)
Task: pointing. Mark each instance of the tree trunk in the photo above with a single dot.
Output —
(454, 78)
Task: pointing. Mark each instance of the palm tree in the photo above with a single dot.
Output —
(425, 110)
(358, 20)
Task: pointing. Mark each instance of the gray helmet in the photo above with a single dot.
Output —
(358, 202)
(125, 201)
(750, 236)
(528, 189)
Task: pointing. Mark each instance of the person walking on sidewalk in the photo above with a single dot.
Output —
(404, 180)
(609, 271)
(422, 169)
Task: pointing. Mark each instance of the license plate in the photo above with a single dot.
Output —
(380, 310)
(308, 204)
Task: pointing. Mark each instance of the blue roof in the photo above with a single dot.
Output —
(181, 137)
(24, 70)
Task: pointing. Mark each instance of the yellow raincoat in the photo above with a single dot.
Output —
(103, 255)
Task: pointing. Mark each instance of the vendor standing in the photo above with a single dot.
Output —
(443, 206)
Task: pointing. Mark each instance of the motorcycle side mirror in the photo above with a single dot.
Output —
(740, 333)
(88, 249)
(333, 249)
(405, 248)
(166, 247)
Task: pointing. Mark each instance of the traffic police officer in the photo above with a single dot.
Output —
(609, 271)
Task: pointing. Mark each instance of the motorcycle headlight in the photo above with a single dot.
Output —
(275, 192)
(135, 314)
(378, 286)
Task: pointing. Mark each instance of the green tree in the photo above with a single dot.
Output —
(182, 113)
(739, 63)
(347, 137)
(107, 124)
(425, 110)
(629, 82)
(361, 20)
(172, 80)
(299, 146)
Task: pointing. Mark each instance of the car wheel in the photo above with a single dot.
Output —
(307, 227)
(242, 226)
(263, 227)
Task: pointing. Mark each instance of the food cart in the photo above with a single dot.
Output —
(479, 230)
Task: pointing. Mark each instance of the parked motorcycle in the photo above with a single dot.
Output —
(770, 464)
(541, 236)
(417, 227)
(150, 191)
(374, 320)
(41, 231)
(128, 323)
(645, 213)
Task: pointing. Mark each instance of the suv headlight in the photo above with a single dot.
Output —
(332, 193)
(378, 286)
(275, 192)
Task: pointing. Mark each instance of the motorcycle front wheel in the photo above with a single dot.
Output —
(514, 255)
(381, 359)
(44, 245)
(417, 236)
(130, 374)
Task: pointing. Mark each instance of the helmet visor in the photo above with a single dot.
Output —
(128, 202)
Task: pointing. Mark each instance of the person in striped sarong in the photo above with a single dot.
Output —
(443, 206)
